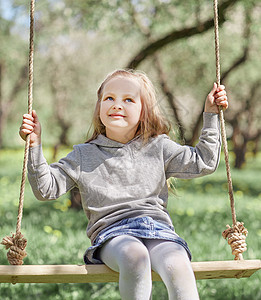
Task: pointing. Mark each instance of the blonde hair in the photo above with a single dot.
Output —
(152, 122)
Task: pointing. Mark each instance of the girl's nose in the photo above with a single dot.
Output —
(117, 107)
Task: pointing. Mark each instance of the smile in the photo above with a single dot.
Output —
(116, 116)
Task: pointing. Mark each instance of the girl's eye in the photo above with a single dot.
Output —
(109, 98)
(129, 100)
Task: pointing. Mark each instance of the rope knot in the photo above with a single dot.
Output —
(236, 238)
(16, 244)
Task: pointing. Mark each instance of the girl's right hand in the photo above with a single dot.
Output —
(32, 126)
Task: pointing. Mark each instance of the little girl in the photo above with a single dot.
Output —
(121, 172)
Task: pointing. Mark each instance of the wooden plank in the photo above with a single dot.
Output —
(225, 269)
(101, 273)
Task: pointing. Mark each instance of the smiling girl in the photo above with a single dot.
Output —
(122, 172)
(120, 108)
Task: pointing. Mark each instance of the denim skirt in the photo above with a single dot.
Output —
(141, 227)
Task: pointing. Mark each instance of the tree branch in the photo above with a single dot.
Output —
(174, 36)
(162, 77)
(169, 95)
(224, 75)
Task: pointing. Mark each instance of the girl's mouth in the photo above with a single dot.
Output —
(117, 115)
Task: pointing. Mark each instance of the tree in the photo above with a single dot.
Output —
(79, 42)
(154, 46)
(176, 35)
(13, 64)
(245, 125)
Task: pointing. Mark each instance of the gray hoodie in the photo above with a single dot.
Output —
(119, 181)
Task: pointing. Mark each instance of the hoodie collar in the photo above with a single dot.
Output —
(103, 141)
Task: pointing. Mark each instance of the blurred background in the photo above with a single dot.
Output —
(77, 43)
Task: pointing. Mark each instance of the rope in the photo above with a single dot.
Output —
(236, 238)
(16, 243)
(236, 234)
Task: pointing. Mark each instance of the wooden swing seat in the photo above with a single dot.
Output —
(101, 273)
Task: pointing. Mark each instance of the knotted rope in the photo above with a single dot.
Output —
(16, 243)
(236, 238)
(236, 235)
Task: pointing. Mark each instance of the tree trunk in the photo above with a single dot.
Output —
(240, 153)
(1, 106)
(170, 97)
(60, 96)
(6, 106)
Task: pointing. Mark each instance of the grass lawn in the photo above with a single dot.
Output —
(199, 209)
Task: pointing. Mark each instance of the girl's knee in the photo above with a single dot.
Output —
(176, 266)
(126, 254)
(135, 257)
(170, 260)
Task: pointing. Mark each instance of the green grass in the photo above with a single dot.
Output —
(200, 211)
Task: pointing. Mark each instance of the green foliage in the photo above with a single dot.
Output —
(78, 42)
(200, 211)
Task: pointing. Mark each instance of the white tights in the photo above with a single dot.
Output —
(134, 258)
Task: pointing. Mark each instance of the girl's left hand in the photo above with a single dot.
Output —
(217, 97)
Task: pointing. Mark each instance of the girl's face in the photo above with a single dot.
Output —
(120, 108)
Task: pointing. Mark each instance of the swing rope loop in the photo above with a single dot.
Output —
(16, 243)
(236, 234)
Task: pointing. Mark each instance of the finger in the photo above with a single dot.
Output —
(28, 122)
(222, 103)
(221, 88)
(27, 126)
(25, 131)
(222, 98)
(212, 92)
(28, 117)
(34, 115)
(220, 94)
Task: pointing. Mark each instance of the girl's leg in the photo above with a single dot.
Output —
(128, 256)
(171, 262)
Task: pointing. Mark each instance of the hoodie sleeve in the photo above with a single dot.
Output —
(190, 162)
(51, 181)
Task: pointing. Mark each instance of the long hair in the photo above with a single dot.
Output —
(152, 122)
